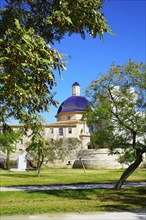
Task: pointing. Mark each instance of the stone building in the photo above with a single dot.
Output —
(69, 124)
(69, 119)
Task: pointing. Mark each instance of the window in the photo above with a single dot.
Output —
(51, 131)
(61, 131)
(42, 133)
(21, 141)
(90, 129)
(70, 130)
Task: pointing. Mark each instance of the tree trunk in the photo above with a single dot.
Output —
(7, 164)
(39, 170)
(40, 165)
(130, 169)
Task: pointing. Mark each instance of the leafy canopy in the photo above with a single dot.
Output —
(27, 62)
(26, 73)
(9, 138)
(117, 110)
(42, 151)
(52, 19)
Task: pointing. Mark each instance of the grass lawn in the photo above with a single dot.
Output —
(67, 176)
(30, 202)
(91, 200)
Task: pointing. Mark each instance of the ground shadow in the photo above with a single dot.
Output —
(111, 200)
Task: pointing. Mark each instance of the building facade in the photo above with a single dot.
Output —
(69, 119)
(69, 124)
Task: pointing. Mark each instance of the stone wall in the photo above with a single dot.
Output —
(90, 158)
(100, 158)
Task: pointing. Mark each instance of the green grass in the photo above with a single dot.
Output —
(67, 176)
(58, 201)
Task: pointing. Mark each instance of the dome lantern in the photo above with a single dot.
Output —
(76, 89)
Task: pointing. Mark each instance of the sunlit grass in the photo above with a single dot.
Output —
(67, 176)
(29, 202)
(58, 201)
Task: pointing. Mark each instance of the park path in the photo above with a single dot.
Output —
(69, 186)
(119, 215)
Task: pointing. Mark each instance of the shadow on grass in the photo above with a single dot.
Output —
(107, 199)
(19, 175)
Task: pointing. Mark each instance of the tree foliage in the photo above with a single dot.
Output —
(117, 111)
(26, 74)
(126, 156)
(27, 29)
(43, 151)
(52, 19)
(8, 140)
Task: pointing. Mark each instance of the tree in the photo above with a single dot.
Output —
(42, 151)
(27, 29)
(8, 140)
(38, 149)
(117, 111)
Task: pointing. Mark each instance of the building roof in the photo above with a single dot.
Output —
(73, 104)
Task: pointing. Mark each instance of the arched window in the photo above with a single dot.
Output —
(70, 130)
(90, 129)
(61, 131)
(51, 131)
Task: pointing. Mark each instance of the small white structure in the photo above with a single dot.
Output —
(22, 162)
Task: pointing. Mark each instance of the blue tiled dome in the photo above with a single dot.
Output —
(72, 104)
(76, 84)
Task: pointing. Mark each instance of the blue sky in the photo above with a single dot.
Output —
(127, 18)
